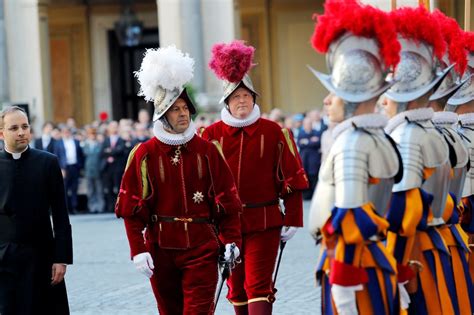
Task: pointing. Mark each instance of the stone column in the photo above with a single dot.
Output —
(221, 23)
(194, 26)
(3, 58)
(26, 25)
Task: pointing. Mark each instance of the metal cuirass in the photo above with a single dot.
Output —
(459, 162)
(356, 155)
(467, 133)
(421, 146)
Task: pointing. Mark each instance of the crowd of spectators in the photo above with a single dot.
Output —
(93, 157)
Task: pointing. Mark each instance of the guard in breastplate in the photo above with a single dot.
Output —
(462, 103)
(355, 181)
(419, 199)
(446, 121)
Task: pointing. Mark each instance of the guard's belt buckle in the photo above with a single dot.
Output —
(154, 218)
(188, 220)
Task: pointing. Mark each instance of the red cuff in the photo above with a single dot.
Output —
(347, 275)
(405, 273)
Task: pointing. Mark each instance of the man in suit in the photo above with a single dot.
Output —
(46, 142)
(113, 156)
(309, 143)
(71, 159)
(33, 254)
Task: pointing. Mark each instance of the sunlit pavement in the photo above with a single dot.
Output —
(104, 281)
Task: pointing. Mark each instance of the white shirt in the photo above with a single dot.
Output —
(71, 154)
(45, 140)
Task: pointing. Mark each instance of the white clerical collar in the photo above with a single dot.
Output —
(232, 121)
(366, 121)
(173, 138)
(15, 156)
(466, 119)
(445, 118)
(419, 114)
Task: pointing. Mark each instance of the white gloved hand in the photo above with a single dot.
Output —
(144, 264)
(227, 252)
(345, 298)
(404, 296)
(287, 232)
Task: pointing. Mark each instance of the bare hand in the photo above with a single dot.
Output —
(58, 272)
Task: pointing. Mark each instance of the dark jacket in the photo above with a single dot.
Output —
(31, 188)
(118, 155)
(61, 154)
(51, 148)
(93, 159)
(310, 150)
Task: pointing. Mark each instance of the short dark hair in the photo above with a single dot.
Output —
(8, 110)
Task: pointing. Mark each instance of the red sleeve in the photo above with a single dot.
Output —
(226, 199)
(134, 228)
(205, 134)
(131, 201)
(293, 180)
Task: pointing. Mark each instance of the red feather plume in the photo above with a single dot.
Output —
(342, 16)
(454, 38)
(231, 61)
(469, 41)
(419, 25)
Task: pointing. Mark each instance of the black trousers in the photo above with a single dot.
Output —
(71, 183)
(25, 287)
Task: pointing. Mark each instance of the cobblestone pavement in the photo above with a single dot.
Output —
(104, 281)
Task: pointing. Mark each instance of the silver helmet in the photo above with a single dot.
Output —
(417, 73)
(163, 74)
(466, 93)
(164, 99)
(451, 83)
(357, 69)
(230, 87)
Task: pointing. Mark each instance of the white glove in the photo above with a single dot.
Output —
(345, 298)
(287, 232)
(144, 264)
(404, 296)
(227, 252)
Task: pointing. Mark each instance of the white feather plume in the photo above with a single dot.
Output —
(163, 68)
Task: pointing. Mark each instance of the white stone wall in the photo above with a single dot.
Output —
(26, 25)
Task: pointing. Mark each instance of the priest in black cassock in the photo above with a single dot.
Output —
(33, 254)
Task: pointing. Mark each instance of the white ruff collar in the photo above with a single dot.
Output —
(230, 120)
(445, 118)
(173, 138)
(467, 119)
(366, 121)
(419, 114)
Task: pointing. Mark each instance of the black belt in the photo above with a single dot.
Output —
(159, 218)
(261, 204)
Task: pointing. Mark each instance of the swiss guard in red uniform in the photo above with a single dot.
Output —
(266, 167)
(178, 188)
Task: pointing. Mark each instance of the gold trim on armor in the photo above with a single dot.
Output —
(262, 299)
(287, 136)
(145, 184)
(162, 169)
(159, 98)
(219, 148)
(131, 155)
(199, 166)
(239, 303)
